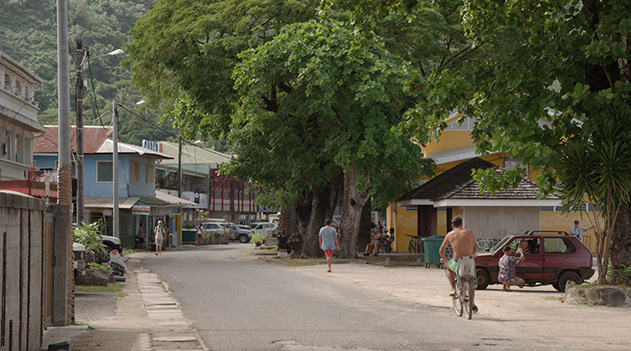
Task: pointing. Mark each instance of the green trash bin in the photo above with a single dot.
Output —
(60, 346)
(431, 247)
(189, 236)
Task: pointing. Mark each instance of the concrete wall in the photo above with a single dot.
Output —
(497, 222)
(22, 265)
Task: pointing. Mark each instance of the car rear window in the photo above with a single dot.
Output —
(558, 245)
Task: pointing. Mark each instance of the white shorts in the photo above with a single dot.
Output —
(466, 266)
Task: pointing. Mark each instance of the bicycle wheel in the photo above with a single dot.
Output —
(466, 294)
(411, 246)
(456, 301)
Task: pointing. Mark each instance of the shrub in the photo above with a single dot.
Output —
(90, 236)
(623, 275)
(258, 238)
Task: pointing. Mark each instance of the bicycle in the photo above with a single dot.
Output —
(465, 275)
(415, 244)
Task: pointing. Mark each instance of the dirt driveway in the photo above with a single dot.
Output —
(536, 311)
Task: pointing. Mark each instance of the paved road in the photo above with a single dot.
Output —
(238, 303)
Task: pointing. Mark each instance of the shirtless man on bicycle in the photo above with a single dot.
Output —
(464, 244)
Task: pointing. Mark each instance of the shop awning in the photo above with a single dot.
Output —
(124, 203)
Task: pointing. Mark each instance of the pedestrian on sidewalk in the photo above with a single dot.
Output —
(159, 233)
(328, 242)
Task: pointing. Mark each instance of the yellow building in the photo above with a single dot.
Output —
(428, 209)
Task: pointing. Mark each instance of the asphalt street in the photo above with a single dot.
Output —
(238, 303)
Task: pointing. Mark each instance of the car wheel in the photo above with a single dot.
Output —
(244, 238)
(568, 277)
(483, 277)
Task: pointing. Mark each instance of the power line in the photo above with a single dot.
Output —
(164, 130)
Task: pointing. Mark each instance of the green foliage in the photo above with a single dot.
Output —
(94, 265)
(321, 97)
(258, 238)
(188, 49)
(29, 36)
(623, 275)
(90, 236)
(551, 90)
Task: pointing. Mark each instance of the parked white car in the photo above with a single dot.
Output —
(265, 228)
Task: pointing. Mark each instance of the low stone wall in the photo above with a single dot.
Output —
(615, 296)
(22, 271)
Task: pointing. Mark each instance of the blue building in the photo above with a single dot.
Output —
(138, 200)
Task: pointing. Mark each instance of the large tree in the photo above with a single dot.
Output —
(552, 92)
(349, 93)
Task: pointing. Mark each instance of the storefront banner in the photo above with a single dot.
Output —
(141, 210)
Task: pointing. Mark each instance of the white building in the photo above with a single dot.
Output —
(18, 118)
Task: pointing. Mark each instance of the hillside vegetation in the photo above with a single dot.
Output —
(29, 35)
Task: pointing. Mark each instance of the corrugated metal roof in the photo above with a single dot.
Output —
(124, 203)
(95, 141)
(108, 147)
(93, 138)
(174, 199)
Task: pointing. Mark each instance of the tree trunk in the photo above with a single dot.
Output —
(353, 203)
(620, 250)
(322, 207)
(303, 213)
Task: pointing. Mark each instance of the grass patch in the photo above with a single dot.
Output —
(587, 285)
(110, 288)
(273, 251)
(128, 251)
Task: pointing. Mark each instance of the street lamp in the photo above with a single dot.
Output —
(81, 57)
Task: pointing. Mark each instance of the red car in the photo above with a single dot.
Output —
(552, 258)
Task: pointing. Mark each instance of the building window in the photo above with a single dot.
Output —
(135, 172)
(150, 174)
(104, 171)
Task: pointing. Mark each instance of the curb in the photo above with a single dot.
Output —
(170, 328)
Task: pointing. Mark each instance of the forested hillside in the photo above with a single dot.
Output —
(28, 33)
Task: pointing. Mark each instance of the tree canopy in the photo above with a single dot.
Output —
(322, 94)
(557, 73)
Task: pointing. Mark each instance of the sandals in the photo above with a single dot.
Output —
(452, 294)
(474, 309)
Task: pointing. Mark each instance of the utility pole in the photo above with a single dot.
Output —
(79, 92)
(115, 225)
(64, 191)
(179, 169)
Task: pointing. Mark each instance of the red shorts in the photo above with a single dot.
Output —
(328, 253)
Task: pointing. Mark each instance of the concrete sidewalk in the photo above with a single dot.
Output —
(145, 318)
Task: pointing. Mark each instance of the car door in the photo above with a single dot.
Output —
(531, 268)
(558, 252)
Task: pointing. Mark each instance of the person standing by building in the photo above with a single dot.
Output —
(159, 233)
(141, 236)
(328, 242)
(578, 230)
